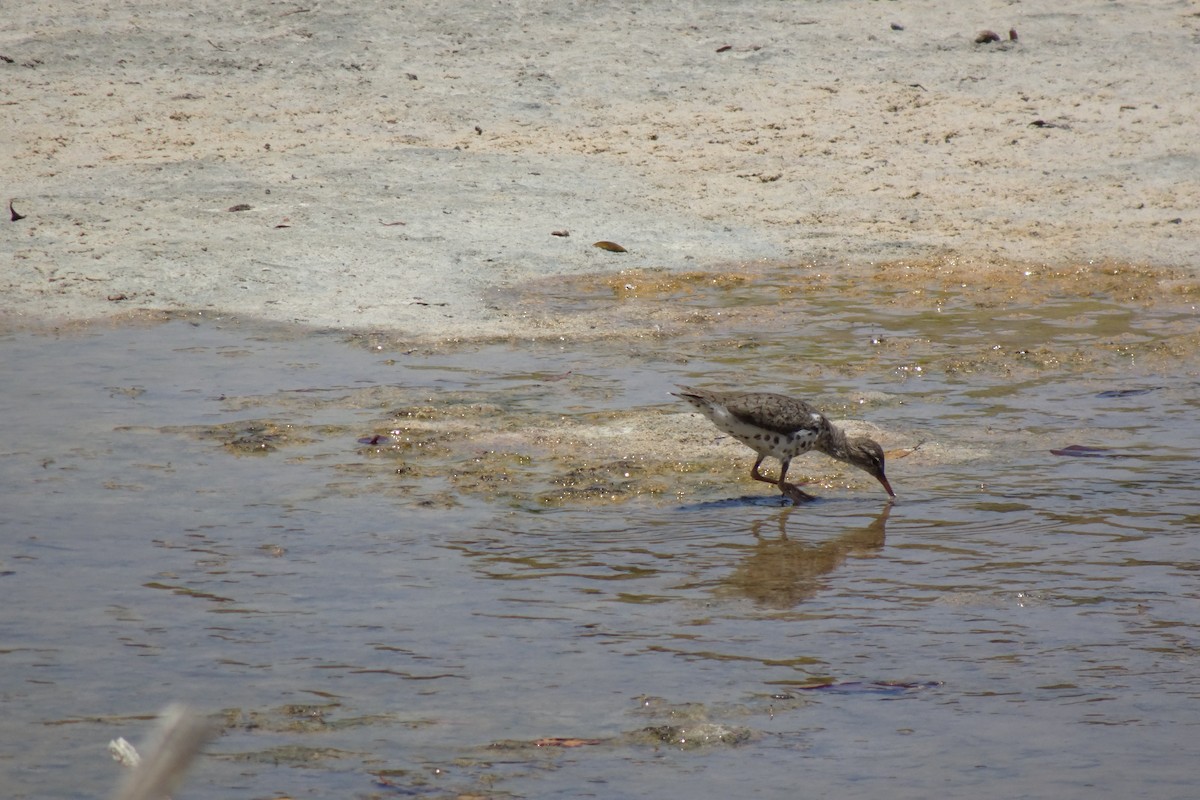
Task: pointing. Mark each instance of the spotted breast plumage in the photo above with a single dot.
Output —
(782, 427)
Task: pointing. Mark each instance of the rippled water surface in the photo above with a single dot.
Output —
(191, 513)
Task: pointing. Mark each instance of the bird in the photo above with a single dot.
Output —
(783, 427)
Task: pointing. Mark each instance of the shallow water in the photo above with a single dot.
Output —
(377, 621)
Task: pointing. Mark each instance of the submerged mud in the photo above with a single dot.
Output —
(541, 421)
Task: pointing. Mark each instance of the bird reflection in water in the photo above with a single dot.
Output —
(782, 573)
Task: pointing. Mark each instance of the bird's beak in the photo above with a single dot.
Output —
(887, 486)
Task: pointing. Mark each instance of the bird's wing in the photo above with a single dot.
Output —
(775, 412)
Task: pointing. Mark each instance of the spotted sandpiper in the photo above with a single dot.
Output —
(782, 427)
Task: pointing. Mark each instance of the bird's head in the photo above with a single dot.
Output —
(867, 455)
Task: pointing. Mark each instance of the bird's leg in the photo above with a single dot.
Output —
(796, 494)
(758, 476)
(791, 490)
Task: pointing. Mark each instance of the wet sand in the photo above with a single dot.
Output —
(396, 164)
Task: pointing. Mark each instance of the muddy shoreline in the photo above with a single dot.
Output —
(379, 167)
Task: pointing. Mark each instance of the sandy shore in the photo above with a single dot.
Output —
(397, 162)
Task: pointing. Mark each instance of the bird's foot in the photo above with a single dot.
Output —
(795, 493)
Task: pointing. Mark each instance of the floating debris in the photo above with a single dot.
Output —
(1083, 451)
(870, 687)
(377, 439)
(1112, 393)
